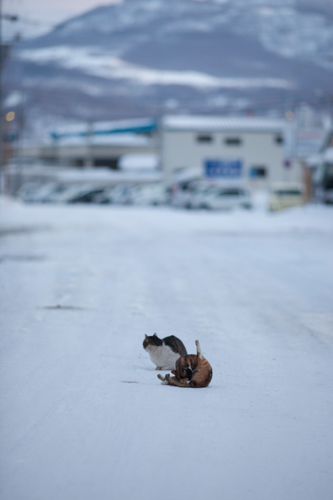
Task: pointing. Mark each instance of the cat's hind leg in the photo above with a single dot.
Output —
(199, 351)
(167, 380)
(177, 383)
(163, 379)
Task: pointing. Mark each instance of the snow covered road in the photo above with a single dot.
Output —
(83, 415)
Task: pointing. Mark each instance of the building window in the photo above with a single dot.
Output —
(204, 138)
(279, 139)
(233, 141)
(111, 163)
(259, 172)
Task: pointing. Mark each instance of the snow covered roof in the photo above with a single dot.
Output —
(134, 140)
(99, 176)
(139, 161)
(104, 128)
(214, 123)
(105, 175)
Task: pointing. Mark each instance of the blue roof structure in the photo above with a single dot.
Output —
(140, 126)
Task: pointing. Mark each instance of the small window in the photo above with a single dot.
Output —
(111, 163)
(279, 139)
(204, 138)
(233, 141)
(258, 172)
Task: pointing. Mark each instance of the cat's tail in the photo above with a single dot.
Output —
(199, 351)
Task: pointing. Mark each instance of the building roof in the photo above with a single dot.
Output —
(221, 123)
(140, 125)
(127, 140)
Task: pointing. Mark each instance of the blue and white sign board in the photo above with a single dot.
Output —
(227, 169)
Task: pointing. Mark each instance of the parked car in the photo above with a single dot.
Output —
(28, 191)
(184, 191)
(73, 194)
(153, 194)
(47, 191)
(284, 195)
(103, 197)
(86, 196)
(200, 193)
(223, 198)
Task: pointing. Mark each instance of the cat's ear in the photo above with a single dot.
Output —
(146, 336)
(155, 335)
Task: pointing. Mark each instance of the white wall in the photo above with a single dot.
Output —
(181, 149)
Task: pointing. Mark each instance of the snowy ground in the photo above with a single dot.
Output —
(83, 415)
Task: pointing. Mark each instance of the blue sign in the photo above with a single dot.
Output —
(10, 137)
(229, 169)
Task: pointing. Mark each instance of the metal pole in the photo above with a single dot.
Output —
(89, 163)
(1, 61)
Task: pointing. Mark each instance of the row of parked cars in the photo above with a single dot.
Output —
(198, 195)
(121, 194)
(189, 195)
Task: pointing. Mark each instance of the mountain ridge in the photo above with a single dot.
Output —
(137, 58)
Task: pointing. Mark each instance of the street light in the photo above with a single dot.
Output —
(10, 116)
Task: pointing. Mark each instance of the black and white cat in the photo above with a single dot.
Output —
(164, 352)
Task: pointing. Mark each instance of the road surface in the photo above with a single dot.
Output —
(83, 415)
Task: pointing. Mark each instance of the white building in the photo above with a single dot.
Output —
(101, 144)
(253, 151)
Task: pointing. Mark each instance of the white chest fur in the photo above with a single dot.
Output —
(162, 356)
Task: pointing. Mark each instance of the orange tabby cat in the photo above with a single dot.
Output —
(192, 370)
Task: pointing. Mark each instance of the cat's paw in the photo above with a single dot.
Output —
(161, 377)
(158, 368)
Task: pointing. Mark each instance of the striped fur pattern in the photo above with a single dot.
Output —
(164, 352)
(192, 370)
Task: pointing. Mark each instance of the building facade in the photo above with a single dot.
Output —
(248, 150)
(101, 144)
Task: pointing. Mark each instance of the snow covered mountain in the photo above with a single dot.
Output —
(140, 57)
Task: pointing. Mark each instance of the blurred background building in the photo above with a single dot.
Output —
(170, 86)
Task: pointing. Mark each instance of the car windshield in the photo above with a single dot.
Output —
(230, 192)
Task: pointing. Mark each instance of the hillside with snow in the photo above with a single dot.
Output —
(142, 57)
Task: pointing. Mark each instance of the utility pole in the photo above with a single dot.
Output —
(4, 52)
(89, 162)
(1, 61)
